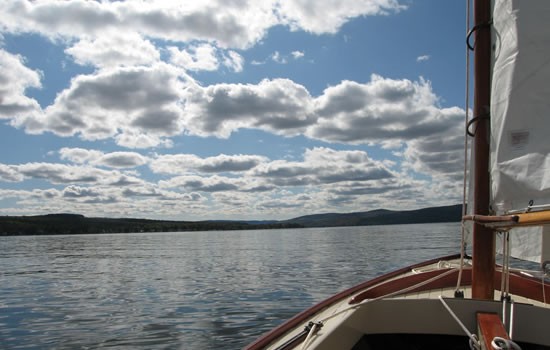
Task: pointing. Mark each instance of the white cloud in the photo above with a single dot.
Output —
(297, 54)
(382, 109)
(278, 58)
(140, 102)
(15, 79)
(144, 107)
(324, 166)
(233, 61)
(195, 58)
(114, 49)
(205, 57)
(9, 173)
(392, 113)
(68, 174)
(140, 139)
(325, 178)
(328, 16)
(119, 160)
(230, 24)
(185, 163)
(121, 102)
(280, 106)
(195, 183)
(234, 24)
(422, 58)
(80, 155)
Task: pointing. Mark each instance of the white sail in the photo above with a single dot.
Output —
(520, 105)
(529, 243)
(520, 118)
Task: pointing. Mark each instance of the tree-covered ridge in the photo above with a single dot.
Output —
(79, 224)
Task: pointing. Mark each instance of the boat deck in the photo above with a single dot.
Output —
(402, 307)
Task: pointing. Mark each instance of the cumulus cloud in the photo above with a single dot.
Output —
(80, 155)
(15, 79)
(279, 106)
(195, 183)
(233, 60)
(122, 160)
(440, 154)
(422, 58)
(205, 57)
(324, 178)
(68, 174)
(10, 174)
(114, 49)
(73, 191)
(327, 17)
(297, 54)
(383, 109)
(200, 57)
(278, 58)
(393, 113)
(119, 160)
(236, 24)
(139, 101)
(114, 102)
(146, 106)
(323, 166)
(184, 163)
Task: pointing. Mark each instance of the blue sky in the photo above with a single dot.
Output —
(230, 109)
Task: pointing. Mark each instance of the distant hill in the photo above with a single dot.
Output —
(61, 224)
(450, 213)
(79, 224)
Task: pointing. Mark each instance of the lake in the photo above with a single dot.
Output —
(189, 290)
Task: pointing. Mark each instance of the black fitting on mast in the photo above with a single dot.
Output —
(472, 31)
(474, 120)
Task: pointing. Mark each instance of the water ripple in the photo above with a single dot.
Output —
(199, 290)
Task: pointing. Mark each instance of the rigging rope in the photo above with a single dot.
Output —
(505, 272)
(474, 342)
(465, 175)
(545, 273)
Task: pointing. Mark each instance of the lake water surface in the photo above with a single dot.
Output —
(189, 290)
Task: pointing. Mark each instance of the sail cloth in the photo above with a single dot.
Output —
(528, 243)
(520, 118)
(520, 105)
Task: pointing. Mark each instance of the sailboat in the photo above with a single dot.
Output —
(482, 301)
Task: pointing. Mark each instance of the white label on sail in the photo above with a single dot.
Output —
(519, 139)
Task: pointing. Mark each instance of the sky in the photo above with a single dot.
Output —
(230, 109)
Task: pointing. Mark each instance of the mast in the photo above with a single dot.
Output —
(483, 259)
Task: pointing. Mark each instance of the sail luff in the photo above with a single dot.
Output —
(483, 259)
